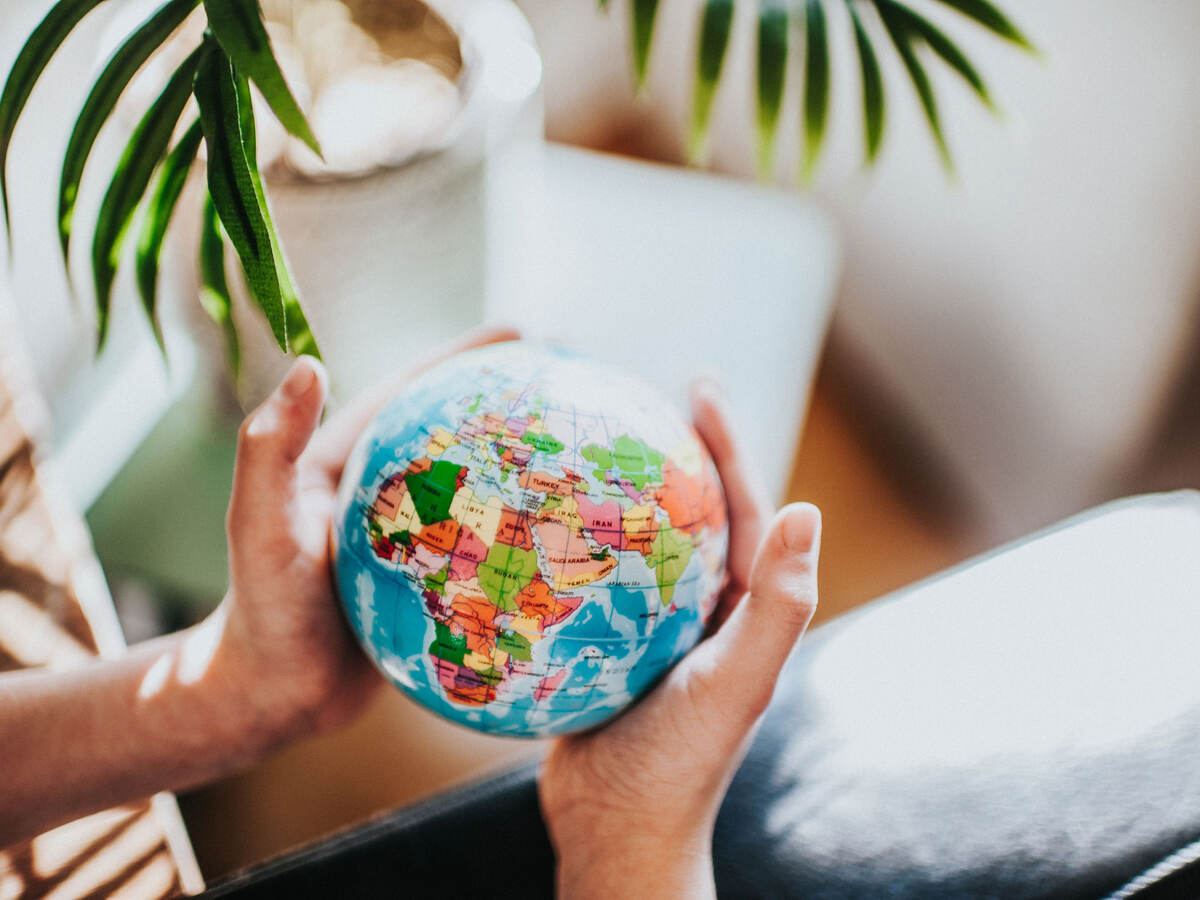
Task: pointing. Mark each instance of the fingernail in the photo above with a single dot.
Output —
(801, 529)
(300, 379)
(502, 328)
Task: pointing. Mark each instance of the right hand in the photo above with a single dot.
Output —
(630, 807)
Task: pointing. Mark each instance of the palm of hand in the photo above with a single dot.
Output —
(283, 603)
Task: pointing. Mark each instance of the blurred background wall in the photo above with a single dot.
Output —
(1011, 344)
(1030, 318)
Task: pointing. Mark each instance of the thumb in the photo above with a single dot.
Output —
(272, 438)
(749, 650)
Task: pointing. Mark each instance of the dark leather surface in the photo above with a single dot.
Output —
(1027, 726)
(484, 840)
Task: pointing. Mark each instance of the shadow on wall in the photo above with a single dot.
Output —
(119, 851)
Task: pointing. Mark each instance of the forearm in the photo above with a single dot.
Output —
(169, 714)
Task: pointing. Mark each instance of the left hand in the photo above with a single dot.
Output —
(275, 661)
(283, 643)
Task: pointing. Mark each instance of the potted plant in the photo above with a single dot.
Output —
(235, 51)
(419, 113)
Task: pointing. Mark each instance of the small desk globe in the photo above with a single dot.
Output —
(526, 540)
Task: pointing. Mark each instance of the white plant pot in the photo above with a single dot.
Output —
(391, 263)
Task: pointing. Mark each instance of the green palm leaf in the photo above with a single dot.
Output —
(237, 50)
(28, 67)
(300, 336)
(103, 98)
(906, 29)
(644, 13)
(987, 15)
(146, 147)
(214, 286)
(172, 176)
(239, 29)
(937, 41)
(715, 26)
(771, 76)
(873, 97)
(231, 186)
(902, 38)
(816, 83)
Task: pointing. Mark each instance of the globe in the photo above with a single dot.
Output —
(527, 540)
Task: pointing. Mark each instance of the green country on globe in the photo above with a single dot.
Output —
(526, 540)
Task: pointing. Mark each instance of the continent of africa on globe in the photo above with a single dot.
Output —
(526, 540)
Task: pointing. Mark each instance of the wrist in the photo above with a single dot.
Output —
(619, 843)
(257, 704)
(644, 869)
(605, 852)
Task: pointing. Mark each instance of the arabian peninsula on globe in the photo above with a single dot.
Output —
(526, 540)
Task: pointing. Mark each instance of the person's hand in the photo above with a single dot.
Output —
(630, 807)
(282, 641)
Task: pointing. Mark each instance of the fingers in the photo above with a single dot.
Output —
(336, 439)
(744, 658)
(744, 491)
(272, 437)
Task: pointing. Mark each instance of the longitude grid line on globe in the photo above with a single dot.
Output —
(611, 607)
(395, 607)
(608, 440)
(576, 465)
(476, 476)
(523, 517)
